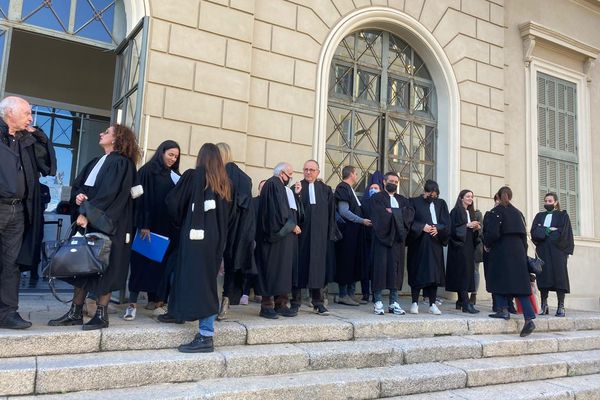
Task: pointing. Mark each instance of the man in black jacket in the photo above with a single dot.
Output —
(25, 153)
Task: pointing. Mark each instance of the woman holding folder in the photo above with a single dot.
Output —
(158, 176)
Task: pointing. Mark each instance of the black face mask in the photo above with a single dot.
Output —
(391, 187)
(549, 207)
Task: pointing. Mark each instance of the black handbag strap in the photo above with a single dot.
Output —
(51, 283)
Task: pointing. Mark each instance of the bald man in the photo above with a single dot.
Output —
(25, 153)
(277, 242)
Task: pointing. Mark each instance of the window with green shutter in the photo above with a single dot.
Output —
(557, 142)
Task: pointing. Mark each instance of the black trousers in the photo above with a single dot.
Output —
(12, 225)
(315, 294)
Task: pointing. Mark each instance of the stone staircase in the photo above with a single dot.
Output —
(351, 354)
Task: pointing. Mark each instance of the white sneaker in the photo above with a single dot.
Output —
(130, 313)
(414, 308)
(378, 308)
(395, 308)
(433, 309)
(438, 301)
(159, 311)
(244, 300)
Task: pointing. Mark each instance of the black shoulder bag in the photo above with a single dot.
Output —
(76, 257)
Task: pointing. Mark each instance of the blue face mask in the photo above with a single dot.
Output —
(372, 191)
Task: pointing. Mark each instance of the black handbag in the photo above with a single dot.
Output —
(76, 257)
(535, 264)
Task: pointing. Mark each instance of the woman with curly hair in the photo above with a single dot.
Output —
(101, 194)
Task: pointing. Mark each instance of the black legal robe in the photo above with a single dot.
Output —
(238, 258)
(460, 262)
(318, 228)
(554, 248)
(275, 241)
(151, 213)
(425, 262)
(203, 217)
(111, 197)
(505, 234)
(242, 227)
(390, 229)
(349, 251)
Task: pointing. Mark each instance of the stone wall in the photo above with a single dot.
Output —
(244, 72)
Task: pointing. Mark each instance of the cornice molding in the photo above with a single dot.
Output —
(532, 33)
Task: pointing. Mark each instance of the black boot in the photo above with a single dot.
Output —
(468, 308)
(473, 298)
(200, 344)
(458, 305)
(527, 328)
(511, 307)
(99, 321)
(544, 307)
(503, 314)
(560, 311)
(73, 317)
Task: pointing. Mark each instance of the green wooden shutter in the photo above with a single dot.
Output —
(557, 143)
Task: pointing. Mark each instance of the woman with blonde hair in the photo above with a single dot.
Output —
(101, 194)
(238, 259)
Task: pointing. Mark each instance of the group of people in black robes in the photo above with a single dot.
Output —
(299, 237)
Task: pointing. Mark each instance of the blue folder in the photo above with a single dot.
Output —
(154, 249)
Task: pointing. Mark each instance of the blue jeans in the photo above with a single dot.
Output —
(393, 295)
(502, 303)
(206, 326)
(347, 290)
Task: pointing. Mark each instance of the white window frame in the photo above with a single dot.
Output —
(584, 151)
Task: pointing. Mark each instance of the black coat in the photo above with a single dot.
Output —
(506, 236)
(425, 261)
(390, 230)
(554, 248)
(318, 228)
(151, 213)
(242, 227)
(204, 218)
(276, 243)
(38, 159)
(349, 251)
(460, 262)
(109, 197)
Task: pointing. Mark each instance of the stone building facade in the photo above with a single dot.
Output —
(258, 75)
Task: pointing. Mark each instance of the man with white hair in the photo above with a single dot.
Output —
(25, 153)
(276, 242)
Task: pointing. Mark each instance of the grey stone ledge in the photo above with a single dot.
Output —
(488, 371)
(46, 340)
(578, 340)
(303, 328)
(17, 376)
(272, 359)
(437, 349)
(580, 362)
(513, 345)
(352, 354)
(407, 326)
(122, 369)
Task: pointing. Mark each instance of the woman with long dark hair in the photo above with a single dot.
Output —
(158, 176)
(464, 232)
(505, 237)
(552, 235)
(101, 193)
(201, 205)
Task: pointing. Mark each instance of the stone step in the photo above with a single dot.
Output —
(245, 327)
(429, 381)
(483, 358)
